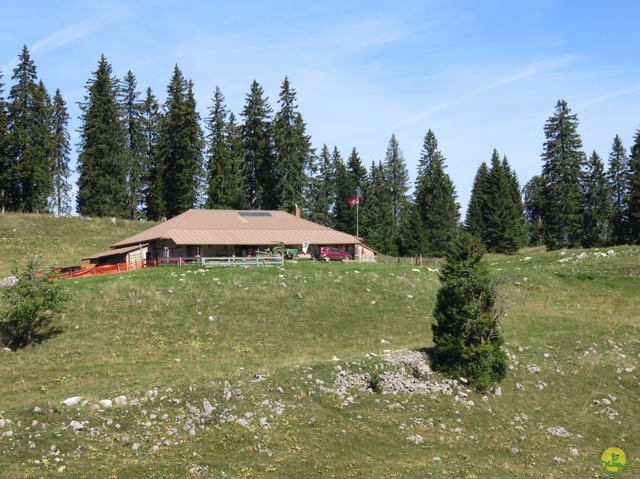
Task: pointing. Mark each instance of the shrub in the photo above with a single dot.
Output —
(466, 331)
(28, 307)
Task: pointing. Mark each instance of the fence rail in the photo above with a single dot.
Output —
(259, 259)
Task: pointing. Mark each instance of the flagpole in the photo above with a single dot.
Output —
(358, 211)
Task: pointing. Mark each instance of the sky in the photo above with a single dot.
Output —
(480, 74)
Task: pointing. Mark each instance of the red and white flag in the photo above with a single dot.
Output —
(353, 201)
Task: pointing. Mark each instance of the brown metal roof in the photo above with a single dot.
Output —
(231, 227)
(116, 251)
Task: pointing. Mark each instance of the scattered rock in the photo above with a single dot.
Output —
(558, 431)
(72, 401)
(121, 401)
(76, 426)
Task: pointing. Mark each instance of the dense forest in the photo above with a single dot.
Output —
(142, 159)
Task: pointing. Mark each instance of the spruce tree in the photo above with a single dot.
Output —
(634, 191)
(29, 139)
(153, 188)
(618, 177)
(597, 204)
(134, 153)
(343, 215)
(61, 197)
(234, 147)
(466, 332)
(435, 197)
(257, 148)
(562, 176)
(377, 221)
(474, 222)
(102, 170)
(398, 177)
(224, 181)
(520, 226)
(4, 160)
(322, 190)
(533, 210)
(412, 240)
(502, 232)
(292, 152)
(180, 146)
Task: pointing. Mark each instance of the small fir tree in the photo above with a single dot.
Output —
(29, 306)
(466, 330)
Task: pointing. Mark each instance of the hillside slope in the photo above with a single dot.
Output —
(62, 241)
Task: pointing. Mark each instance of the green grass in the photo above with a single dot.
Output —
(129, 333)
(64, 241)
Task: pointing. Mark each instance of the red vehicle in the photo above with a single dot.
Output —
(327, 253)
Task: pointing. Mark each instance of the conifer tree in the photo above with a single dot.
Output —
(533, 210)
(29, 139)
(224, 179)
(351, 182)
(502, 233)
(257, 148)
(618, 177)
(4, 160)
(435, 197)
(61, 199)
(597, 204)
(520, 227)
(153, 187)
(322, 190)
(234, 147)
(378, 224)
(634, 191)
(101, 166)
(292, 152)
(412, 240)
(353, 185)
(562, 176)
(466, 330)
(398, 178)
(475, 221)
(135, 158)
(180, 146)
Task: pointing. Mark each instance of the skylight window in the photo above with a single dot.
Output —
(255, 214)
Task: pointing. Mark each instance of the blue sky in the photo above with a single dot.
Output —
(481, 74)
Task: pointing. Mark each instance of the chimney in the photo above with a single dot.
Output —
(297, 212)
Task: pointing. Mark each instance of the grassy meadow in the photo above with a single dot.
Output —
(241, 372)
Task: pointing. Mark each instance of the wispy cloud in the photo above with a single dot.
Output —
(71, 34)
(530, 70)
(609, 96)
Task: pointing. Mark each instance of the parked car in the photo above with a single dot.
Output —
(327, 253)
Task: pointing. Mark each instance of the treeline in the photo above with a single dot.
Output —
(142, 159)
